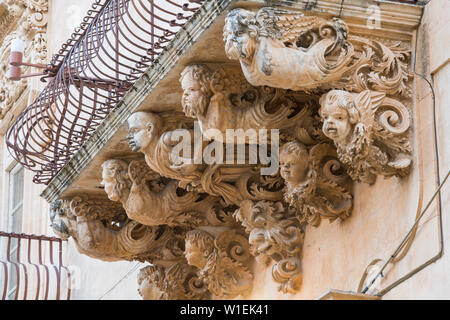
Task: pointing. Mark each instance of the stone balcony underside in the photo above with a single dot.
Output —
(201, 41)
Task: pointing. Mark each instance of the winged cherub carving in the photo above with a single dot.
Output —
(370, 132)
(285, 49)
(315, 186)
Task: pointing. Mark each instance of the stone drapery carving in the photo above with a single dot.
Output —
(179, 281)
(224, 100)
(151, 201)
(370, 133)
(26, 19)
(223, 261)
(285, 49)
(316, 184)
(274, 234)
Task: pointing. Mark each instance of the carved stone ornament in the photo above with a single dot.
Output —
(179, 281)
(224, 100)
(274, 234)
(316, 184)
(101, 230)
(155, 136)
(223, 261)
(150, 200)
(370, 132)
(27, 20)
(286, 49)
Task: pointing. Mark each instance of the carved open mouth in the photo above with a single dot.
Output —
(332, 131)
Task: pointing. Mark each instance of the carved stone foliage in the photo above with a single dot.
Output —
(223, 100)
(286, 49)
(155, 136)
(26, 19)
(274, 234)
(370, 132)
(223, 259)
(179, 281)
(101, 230)
(316, 185)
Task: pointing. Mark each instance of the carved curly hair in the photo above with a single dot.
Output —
(118, 170)
(342, 99)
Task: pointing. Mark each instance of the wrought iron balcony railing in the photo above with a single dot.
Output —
(115, 44)
(31, 267)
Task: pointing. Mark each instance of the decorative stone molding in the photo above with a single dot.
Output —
(286, 49)
(274, 234)
(316, 184)
(101, 230)
(175, 282)
(223, 261)
(370, 132)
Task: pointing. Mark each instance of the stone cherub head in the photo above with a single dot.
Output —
(143, 128)
(195, 81)
(240, 35)
(199, 246)
(294, 163)
(339, 116)
(315, 186)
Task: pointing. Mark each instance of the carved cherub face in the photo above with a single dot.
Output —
(339, 115)
(142, 128)
(149, 280)
(294, 162)
(115, 179)
(194, 81)
(239, 34)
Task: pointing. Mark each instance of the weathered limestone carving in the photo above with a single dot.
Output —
(274, 234)
(223, 100)
(316, 184)
(102, 231)
(156, 137)
(179, 281)
(285, 49)
(370, 133)
(26, 20)
(223, 261)
(150, 200)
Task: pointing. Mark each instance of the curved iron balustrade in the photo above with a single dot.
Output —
(115, 44)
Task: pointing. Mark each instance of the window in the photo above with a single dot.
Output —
(15, 212)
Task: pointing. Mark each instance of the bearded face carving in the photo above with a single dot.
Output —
(196, 93)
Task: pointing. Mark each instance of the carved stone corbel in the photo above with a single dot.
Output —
(223, 258)
(370, 132)
(286, 49)
(274, 234)
(179, 281)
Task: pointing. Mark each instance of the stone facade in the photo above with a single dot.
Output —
(349, 124)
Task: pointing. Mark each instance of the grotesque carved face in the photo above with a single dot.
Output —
(142, 128)
(239, 35)
(149, 280)
(294, 167)
(59, 221)
(192, 96)
(336, 123)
